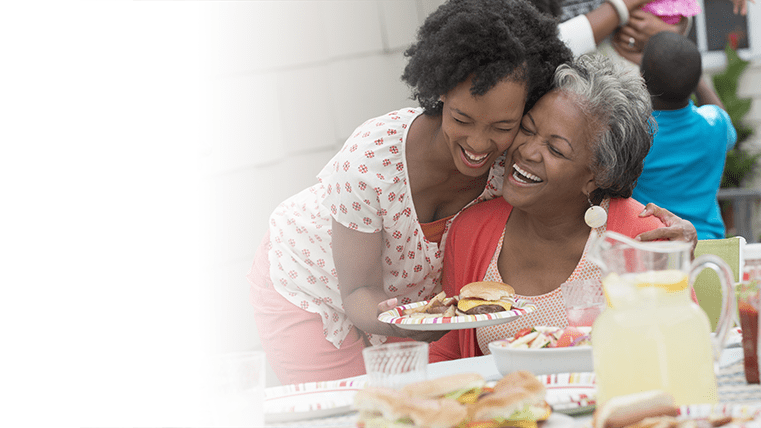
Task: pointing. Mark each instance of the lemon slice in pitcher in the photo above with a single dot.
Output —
(618, 291)
(671, 280)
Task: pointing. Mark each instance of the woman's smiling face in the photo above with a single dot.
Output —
(548, 163)
(478, 129)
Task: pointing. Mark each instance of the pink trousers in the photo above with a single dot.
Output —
(292, 338)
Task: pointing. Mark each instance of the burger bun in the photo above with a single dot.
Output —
(487, 290)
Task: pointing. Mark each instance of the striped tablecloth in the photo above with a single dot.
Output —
(733, 388)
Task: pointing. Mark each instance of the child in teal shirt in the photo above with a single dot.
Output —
(683, 170)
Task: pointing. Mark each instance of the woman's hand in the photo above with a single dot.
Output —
(642, 25)
(626, 52)
(677, 229)
(423, 336)
(419, 335)
(387, 305)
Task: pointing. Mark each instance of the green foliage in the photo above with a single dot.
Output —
(737, 166)
(739, 163)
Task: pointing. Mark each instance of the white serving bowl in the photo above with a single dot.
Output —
(541, 361)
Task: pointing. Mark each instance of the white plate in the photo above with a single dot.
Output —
(734, 338)
(558, 420)
(570, 393)
(309, 400)
(396, 316)
(748, 416)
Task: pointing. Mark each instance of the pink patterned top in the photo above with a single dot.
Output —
(365, 187)
(550, 307)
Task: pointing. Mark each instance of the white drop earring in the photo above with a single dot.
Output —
(595, 216)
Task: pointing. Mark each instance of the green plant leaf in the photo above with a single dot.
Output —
(739, 164)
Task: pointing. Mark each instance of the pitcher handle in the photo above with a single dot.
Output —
(728, 301)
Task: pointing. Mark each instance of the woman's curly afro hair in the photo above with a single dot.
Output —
(491, 40)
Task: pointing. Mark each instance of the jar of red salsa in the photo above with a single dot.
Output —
(748, 305)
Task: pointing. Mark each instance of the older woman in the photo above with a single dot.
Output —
(580, 147)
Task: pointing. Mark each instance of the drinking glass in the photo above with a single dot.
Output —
(394, 365)
(584, 301)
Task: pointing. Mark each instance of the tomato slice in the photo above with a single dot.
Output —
(570, 334)
(522, 332)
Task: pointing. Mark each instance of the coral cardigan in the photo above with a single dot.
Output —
(470, 246)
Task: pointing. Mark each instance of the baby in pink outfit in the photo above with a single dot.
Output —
(672, 11)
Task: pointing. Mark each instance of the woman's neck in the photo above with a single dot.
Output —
(540, 252)
(551, 225)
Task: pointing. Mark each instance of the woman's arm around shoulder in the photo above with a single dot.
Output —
(649, 223)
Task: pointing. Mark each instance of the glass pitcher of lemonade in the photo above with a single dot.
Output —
(652, 335)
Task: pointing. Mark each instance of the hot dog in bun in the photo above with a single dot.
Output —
(485, 297)
(626, 410)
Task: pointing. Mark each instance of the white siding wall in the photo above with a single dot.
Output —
(289, 82)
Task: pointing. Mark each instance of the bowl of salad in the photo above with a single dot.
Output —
(545, 350)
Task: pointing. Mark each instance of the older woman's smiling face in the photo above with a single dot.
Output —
(548, 163)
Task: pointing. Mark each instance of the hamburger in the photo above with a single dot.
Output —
(485, 297)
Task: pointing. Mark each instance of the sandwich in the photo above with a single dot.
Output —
(485, 297)
(461, 401)
(518, 400)
(464, 387)
(436, 403)
(389, 408)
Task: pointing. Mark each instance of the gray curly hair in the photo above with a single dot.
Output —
(617, 104)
